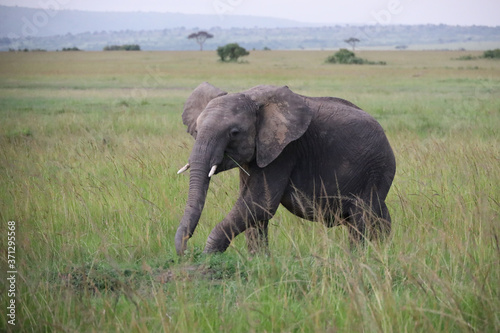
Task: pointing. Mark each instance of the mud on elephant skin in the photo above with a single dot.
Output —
(322, 158)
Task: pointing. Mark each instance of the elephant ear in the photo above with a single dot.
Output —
(283, 117)
(197, 102)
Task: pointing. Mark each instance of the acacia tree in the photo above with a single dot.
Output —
(200, 37)
(352, 41)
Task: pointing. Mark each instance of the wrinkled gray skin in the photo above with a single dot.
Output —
(322, 158)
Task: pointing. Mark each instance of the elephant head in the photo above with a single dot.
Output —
(235, 129)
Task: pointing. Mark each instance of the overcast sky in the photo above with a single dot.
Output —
(455, 12)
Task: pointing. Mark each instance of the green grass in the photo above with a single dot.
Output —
(89, 148)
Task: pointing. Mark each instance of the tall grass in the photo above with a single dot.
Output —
(89, 148)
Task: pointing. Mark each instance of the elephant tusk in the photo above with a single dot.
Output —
(212, 171)
(183, 169)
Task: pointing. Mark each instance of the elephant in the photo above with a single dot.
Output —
(322, 158)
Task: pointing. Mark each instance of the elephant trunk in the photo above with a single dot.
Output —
(198, 187)
(202, 166)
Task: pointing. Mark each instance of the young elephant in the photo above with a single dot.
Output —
(323, 158)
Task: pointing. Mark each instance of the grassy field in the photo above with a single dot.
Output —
(89, 148)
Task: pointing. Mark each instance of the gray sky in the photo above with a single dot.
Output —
(455, 12)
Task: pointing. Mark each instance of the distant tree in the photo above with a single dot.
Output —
(69, 49)
(32, 50)
(131, 47)
(231, 52)
(344, 56)
(200, 37)
(492, 54)
(352, 41)
(126, 47)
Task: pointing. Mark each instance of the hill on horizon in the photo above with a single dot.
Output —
(24, 28)
(19, 22)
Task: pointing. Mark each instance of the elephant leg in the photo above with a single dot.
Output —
(381, 223)
(244, 216)
(257, 238)
(357, 227)
(370, 220)
(260, 196)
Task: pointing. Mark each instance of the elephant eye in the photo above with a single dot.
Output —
(233, 133)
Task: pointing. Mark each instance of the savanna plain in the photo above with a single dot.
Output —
(90, 144)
